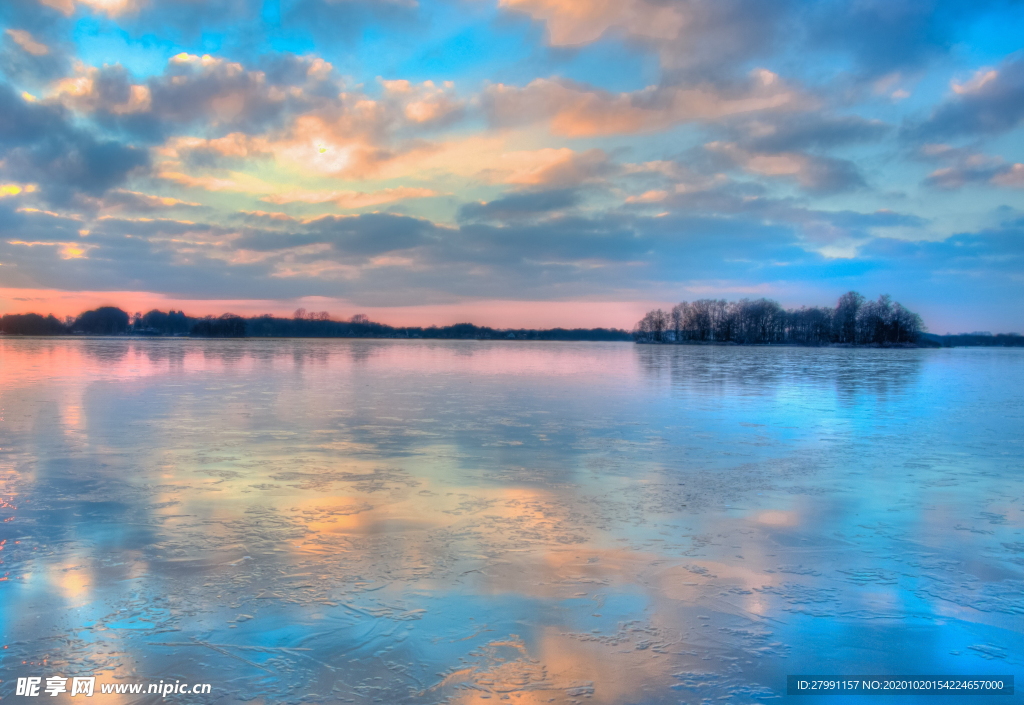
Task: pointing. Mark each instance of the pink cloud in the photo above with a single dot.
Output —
(572, 23)
(351, 199)
(575, 110)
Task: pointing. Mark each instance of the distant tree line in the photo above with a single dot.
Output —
(110, 320)
(31, 324)
(974, 340)
(853, 321)
(106, 320)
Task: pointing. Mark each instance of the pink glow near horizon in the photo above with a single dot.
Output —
(497, 314)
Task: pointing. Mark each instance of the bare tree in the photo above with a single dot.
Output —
(659, 324)
(299, 314)
(853, 321)
(907, 325)
(652, 327)
(680, 312)
(846, 316)
(718, 313)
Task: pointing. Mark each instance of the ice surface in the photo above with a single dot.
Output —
(467, 522)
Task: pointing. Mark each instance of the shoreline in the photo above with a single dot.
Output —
(730, 343)
(929, 344)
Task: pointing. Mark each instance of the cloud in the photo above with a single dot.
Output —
(991, 256)
(809, 130)
(963, 166)
(991, 102)
(561, 167)
(577, 110)
(360, 237)
(425, 104)
(882, 36)
(213, 94)
(137, 202)
(234, 150)
(7, 190)
(112, 8)
(397, 260)
(39, 143)
(213, 113)
(351, 199)
(31, 224)
(831, 233)
(573, 23)
(33, 51)
(107, 90)
(27, 42)
(237, 181)
(65, 7)
(712, 39)
(520, 206)
(692, 38)
(813, 173)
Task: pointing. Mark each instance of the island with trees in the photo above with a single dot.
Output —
(853, 321)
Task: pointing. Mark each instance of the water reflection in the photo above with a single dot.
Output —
(732, 370)
(426, 521)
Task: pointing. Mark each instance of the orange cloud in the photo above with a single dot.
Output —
(781, 164)
(580, 111)
(68, 250)
(149, 200)
(549, 167)
(572, 23)
(1013, 177)
(979, 80)
(80, 92)
(425, 102)
(28, 43)
(208, 183)
(15, 189)
(235, 144)
(351, 199)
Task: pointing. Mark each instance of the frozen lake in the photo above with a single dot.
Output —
(467, 522)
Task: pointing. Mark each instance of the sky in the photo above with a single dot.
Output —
(512, 162)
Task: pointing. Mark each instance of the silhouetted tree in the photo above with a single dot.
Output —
(31, 324)
(106, 320)
(226, 326)
(906, 325)
(846, 317)
(171, 323)
(678, 319)
(653, 326)
(853, 321)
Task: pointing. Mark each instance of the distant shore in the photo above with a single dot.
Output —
(716, 343)
(928, 340)
(109, 320)
(853, 323)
